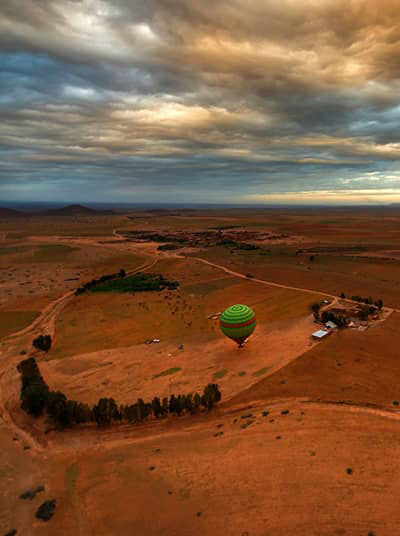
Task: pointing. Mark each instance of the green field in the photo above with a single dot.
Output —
(135, 283)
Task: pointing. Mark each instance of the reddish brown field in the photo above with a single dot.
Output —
(305, 439)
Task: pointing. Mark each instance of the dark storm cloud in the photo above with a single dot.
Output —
(163, 97)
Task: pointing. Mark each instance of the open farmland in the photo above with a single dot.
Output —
(304, 426)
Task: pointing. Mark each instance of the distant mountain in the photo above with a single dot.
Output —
(69, 210)
(10, 213)
(74, 210)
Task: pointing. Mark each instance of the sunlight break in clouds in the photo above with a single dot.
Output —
(262, 101)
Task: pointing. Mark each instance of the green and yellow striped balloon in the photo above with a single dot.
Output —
(238, 322)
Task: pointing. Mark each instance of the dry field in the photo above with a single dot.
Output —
(306, 439)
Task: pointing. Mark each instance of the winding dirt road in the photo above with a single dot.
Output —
(46, 321)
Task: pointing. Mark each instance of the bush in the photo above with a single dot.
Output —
(34, 398)
(34, 390)
(43, 342)
(315, 307)
(46, 510)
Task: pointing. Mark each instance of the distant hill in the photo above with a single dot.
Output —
(69, 210)
(74, 210)
(10, 213)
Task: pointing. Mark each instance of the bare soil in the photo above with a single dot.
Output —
(306, 438)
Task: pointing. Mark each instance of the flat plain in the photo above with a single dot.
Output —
(306, 437)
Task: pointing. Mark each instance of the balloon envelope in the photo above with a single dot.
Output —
(238, 322)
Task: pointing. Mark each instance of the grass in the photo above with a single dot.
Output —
(71, 476)
(167, 372)
(135, 283)
(11, 321)
(261, 371)
(220, 374)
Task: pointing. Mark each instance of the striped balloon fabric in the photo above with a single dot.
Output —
(238, 322)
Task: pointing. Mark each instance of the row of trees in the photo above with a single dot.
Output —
(37, 398)
(103, 279)
(367, 301)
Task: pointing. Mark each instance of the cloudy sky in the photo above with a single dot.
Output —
(200, 101)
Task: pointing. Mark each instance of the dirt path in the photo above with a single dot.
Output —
(335, 299)
(46, 320)
(9, 387)
(46, 323)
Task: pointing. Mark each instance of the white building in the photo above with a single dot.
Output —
(330, 325)
(320, 334)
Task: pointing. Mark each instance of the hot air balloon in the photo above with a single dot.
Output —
(238, 322)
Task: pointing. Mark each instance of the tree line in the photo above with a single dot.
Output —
(367, 301)
(120, 282)
(103, 279)
(37, 398)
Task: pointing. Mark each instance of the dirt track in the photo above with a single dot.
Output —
(193, 463)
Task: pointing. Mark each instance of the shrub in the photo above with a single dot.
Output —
(46, 510)
(43, 342)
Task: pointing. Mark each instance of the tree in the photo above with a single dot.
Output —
(173, 404)
(122, 273)
(343, 295)
(42, 342)
(196, 402)
(211, 395)
(179, 404)
(82, 413)
(105, 411)
(57, 408)
(315, 307)
(34, 398)
(189, 403)
(141, 409)
(156, 406)
(165, 406)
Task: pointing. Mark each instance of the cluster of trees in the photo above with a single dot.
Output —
(103, 279)
(34, 390)
(137, 283)
(367, 301)
(42, 342)
(326, 316)
(329, 316)
(36, 398)
(167, 247)
(157, 237)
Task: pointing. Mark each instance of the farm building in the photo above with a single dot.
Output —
(320, 334)
(330, 325)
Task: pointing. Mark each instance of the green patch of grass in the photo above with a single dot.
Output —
(135, 283)
(11, 321)
(220, 374)
(242, 373)
(261, 371)
(167, 372)
(71, 476)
